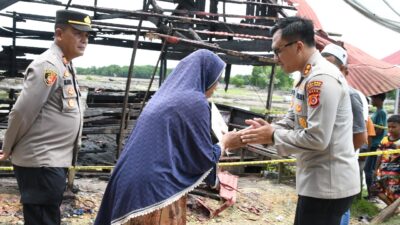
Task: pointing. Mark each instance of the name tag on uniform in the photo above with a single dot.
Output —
(67, 82)
(300, 96)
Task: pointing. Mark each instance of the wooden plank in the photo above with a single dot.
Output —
(386, 213)
(114, 105)
(103, 130)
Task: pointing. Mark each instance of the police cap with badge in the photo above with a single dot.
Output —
(77, 20)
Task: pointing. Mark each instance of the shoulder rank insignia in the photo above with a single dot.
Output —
(307, 69)
(50, 77)
(65, 61)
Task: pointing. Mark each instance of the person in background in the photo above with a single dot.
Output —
(170, 150)
(379, 121)
(367, 146)
(317, 128)
(44, 126)
(338, 56)
(387, 183)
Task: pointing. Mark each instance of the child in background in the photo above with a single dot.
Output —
(388, 166)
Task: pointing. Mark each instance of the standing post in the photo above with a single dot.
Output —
(270, 90)
(14, 50)
(125, 114)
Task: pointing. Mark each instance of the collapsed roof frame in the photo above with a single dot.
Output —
(185, 29)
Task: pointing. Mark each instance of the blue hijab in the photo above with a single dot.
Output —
(170, 151)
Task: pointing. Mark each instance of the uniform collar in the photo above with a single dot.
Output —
(56, 49)
(310, 63)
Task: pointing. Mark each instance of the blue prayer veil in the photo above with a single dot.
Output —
(169, 152)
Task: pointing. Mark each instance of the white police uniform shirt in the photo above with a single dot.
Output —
(45, 123)
(318, 130)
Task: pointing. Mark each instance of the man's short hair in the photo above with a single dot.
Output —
(380, 96)
(394, 119)
(296, 28)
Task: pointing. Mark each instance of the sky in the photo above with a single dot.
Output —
(335, 15)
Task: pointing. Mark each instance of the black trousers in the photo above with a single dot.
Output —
(316, 211)
(41, 192)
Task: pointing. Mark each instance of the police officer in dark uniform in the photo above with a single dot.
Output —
(45, 124)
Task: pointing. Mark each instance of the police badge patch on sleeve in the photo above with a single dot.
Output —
(50, 77)
(313, 91)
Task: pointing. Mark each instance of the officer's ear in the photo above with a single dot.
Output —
(58, 33)
(299, 46)
(344, 70)
(59, 30)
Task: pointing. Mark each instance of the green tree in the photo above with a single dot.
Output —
(260, 77)
(238, 81)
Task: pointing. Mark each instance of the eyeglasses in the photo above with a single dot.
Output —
(279, 50)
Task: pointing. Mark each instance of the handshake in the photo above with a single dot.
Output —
(258, 132)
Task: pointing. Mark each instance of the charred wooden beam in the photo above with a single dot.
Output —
(204, 14)
(236, 45)
(141, 14)
(226, 34)
(234, 29)
(259, 3)
(5, 3)
(194, 34)
(22, 50)
(103, 27)
(227, 58)
(176, 40)
(102, 130)
(46, 35)
(113, 105)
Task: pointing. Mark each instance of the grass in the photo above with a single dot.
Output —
(262, 110)
(3, 94)
(89, 78)
(362, 207)
(234, 91)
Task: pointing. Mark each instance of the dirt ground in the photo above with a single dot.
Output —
(259, 201)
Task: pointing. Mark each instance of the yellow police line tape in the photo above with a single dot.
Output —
(224, 164)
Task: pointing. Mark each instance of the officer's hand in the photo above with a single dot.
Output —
(3, 155)
(260, 134)
(256, 122)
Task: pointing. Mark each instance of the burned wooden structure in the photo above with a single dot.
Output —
(175, 28)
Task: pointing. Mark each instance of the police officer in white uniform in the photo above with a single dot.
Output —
(317, 128)
(45, 124)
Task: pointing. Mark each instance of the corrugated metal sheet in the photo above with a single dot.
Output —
(369, 75)
(304, 10)
(393, 58)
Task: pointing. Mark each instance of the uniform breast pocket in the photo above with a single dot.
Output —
(69, 99)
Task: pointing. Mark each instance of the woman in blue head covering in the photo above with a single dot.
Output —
(170, 151)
